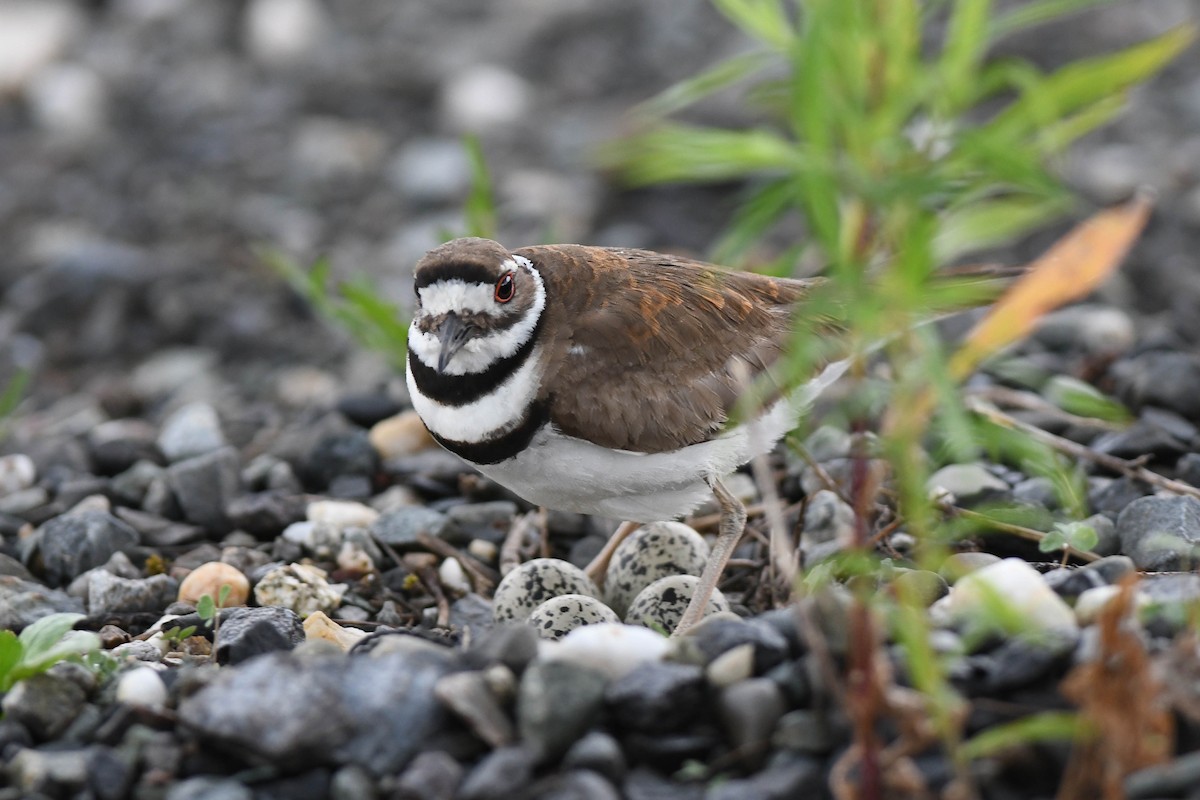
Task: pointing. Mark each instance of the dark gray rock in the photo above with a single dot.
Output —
(712, 637)
(266, 514)
(923, 585)
(209, 788)
(657, 697)
(574, 785)
(805, 731)
(1187, 468)
(468, 696)
(433, 775)
(110, 594)
(971, 484)
(1160, 378)
(156, 531)
(748, 712)
(203, 485)
(375, 710)
(1177, 778)
(45, 704)
(1015, 663)
(401, 527)
(489, 521)
(1143, 438)
(1037, 491)
(119, 445)
(248, 632)
(71, 544)
(598, 752)
(1161, 534)
(109, 775)
(335, 455)
(1071, 583)
(312, 784)
(24, 602)
(1111, 569)
(791, 778)
(48, 773)
(191, 431)
(502, 774)
(556, 703)
(514, 646)
(647, 784)
(472, 611)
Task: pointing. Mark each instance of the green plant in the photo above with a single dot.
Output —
(209, 609)
(177, 635)
(1068, 536)
(42, 645)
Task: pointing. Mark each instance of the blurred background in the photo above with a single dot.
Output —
(147, 147)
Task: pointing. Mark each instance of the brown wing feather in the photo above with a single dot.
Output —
(647, 342)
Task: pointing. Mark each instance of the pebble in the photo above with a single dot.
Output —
(501, 774)
(203, 485)
(749, 711)
(468, 695)
(209, 578)
(401, 527)
(265, 514)
(732, 666)
(41, 773)
(248, 632)
(71, 544)
(33, 34)
(533, 583)
(142, 687)
(319, 626)
(1169, 379)
(431, 171)
(797, 777)
(828, 520)
(489, 521)
(959, 564)
(339, 455)
(610, 648)
(1175, 778)
(560, 615)
(45, 704)
(657, 697)
(1014, 581)
(1090, 603)
(1161, 533)
(717, 635)
(598, 752)
(341, 513)
(806, 731)
(653, 551)
(432, 775)
(969, 484)
(17, 473)
(557, 702)
(190, 431)
(283, 33)
(663, 602)
(301, 588)
(110, 594)
(1092, 329)
(485, 99)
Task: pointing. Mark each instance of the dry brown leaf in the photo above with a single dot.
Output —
(1074, 266)
(1121, 698)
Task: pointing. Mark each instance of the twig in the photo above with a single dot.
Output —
(512, 551)
(1031, 534)
(1076, 450)
(484, 582)
(1032, 402)
(429, 578)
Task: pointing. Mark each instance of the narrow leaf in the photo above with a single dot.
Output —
(1069, 270)
(685, 93)
(1047, 726)
(42, 635)
(1038, 12)
(73, 643)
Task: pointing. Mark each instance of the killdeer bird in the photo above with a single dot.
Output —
(601, 380)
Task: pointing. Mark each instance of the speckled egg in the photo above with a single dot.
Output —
(558, 616)
(653, 551)
(535, 582)
(663, 602)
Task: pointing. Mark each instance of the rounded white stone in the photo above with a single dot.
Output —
(17, 472)
(611, 648)
(1012, 581)
(142, 687)
(341, 513)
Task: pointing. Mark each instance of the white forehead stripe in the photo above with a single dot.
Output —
(480, 353)
(459, 296)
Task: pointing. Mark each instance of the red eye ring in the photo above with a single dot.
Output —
(506, 287)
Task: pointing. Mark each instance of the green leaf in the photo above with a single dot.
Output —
(44, 634)
(1082, 399)
(480, 208)
(1047, 726)
(14, 392)
(988, 223)
(765, 20)
(1037, 12)
(687, 92)
(698, 154)
(206, 607)
(10, 656)
(1053, 540)
(73, 643)
(964, 48)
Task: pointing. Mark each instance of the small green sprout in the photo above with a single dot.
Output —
(42, 645)
(1068, 536)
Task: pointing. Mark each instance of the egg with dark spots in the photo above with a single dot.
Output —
(558, 616)
(535, 582)
(653, 551)
(662, 603)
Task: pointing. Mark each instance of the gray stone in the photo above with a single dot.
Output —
(1107, 541)
(266, 514)
(131, 485)
(1170, 379)
(599, 752)
(352, 783)
(1177, 778)
(432, 171)
(514, 646)
(1111, 569)
(1142, 439)
(203, 485)
(17, 473)
(748, 712)
(827, 520)
(248, 632)
(11, 568)
(502, 774)
(1098, 330)
(468, 696)
(24, 602)
(959, 564)
(925, 586)
(45, 704)
(657, 697)
(1161, 534)
(804, 731)
(1111, 496)
(488, 521)
(574, 785)
(971, 484)
(71, 544)
(375, 710)
(791, 778)
(1038, 491)
(717, 635)
(644, 783)
(48, 773)
(432, 775)
(209, 788)
(191, 431)
(556, 702)
(110, 594)
(401, 527)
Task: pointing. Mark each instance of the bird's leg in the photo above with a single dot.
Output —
(733, 524)
(598, 567)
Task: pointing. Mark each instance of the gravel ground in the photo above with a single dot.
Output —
(191, 424)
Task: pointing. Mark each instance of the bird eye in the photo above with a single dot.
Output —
(506, 287)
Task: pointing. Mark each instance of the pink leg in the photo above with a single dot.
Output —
(733, 524)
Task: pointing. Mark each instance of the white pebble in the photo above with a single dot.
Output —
(1012, 581)
(1090, 604)
(485, 98)
(17, 472)
(300, 587)
(142, 687)
(341, 513)
(733, 666)
(68, 100)
(283, 32)
(610, 648)
(191, 430)
(33, 34)
(453, 577)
